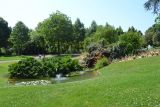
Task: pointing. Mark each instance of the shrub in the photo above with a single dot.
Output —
(63, 65)
(48, 67)
(26, 68)
(101, 63)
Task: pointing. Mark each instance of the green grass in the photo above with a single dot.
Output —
(8, 58)
(127, 84)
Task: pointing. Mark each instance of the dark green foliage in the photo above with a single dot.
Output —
(4, 33)
(63, 65)
(26, 68)
(92, 29)
(78, 35)
(101, 63)
(19, 37)
(31, 68)
(153, 5)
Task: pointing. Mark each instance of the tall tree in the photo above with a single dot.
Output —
(153, 5)
(92, 29)
(152, 35)
(130, 42)
(19, 36)
(119, 30)
(57, 30)
(4, 33)
(79, 33)
(38, 40)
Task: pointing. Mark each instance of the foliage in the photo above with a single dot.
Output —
(101, 63)
(153, 5)
(31, 68)
(103, 35)
(26, 68)
(130, 42)
(78, 33)
(4, 33)
(63, 65)
(36, 44)
(92, 29)
(19, 37)
(152, 35)
(56, 29)
(95, 52)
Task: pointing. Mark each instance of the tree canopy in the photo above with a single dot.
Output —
(19, 37)
(4, 33)
(56, 29)
(153, 5)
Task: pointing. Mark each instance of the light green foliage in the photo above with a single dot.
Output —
(57, 30)
(103, 36)
(130, 42)
(152, 35)
(101, 63)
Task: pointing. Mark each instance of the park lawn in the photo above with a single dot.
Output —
(4, 73)
(10, 58)
(126, 84)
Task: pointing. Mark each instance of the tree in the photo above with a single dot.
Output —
(36, 45)
(79, 33)
(19, 36)
(57, 30)
(103, 36)
(152, 35)
(130, 42)
(106, 35)
(119, 31)
(4, 33)
(153, 5)
(92, 29)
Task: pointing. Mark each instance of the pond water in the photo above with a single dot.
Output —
(44, 81)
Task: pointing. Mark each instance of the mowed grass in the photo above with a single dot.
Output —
(10, 58)
(126, 84)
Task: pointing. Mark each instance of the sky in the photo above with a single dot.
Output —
(124, 13)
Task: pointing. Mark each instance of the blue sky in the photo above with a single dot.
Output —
(123, 13)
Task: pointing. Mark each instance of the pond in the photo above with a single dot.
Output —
(83, 75)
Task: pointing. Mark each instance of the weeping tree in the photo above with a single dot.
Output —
(153, 5)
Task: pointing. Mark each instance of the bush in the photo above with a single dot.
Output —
(26, 68)
(48, 67)
(101, 63)
(130, 42)
(63, 65)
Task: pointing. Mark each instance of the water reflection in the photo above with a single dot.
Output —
(59, 79)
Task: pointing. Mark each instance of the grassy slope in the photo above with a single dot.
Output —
(128, 84)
